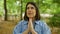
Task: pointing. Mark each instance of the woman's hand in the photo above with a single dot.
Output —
(31, 29)
(30, 25)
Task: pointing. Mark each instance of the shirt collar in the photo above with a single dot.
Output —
(36, 21)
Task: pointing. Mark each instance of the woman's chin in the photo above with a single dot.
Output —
(30, 16)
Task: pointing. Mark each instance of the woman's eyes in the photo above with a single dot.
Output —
(30, 7)
(27, 7)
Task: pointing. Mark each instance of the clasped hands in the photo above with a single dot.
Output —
(30, 28)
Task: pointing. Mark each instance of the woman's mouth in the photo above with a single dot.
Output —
(30, 13)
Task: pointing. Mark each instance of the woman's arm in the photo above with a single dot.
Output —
(18, 28)
(46, 29)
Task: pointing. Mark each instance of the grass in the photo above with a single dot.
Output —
(6, 27)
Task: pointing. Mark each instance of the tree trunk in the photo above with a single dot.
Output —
(5, 18)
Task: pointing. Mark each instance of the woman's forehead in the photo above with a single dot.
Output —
(30, 5)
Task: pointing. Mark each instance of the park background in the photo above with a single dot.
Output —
(12, 11)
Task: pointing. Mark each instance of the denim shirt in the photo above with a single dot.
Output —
(40, 27)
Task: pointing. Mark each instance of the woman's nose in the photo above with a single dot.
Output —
(30, 9)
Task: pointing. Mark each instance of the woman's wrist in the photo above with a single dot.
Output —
(34, 32)
(26, 31)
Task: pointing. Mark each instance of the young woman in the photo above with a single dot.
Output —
(31, 23)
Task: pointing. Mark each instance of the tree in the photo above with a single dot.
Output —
(5, 8)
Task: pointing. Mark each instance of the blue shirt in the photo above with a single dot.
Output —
(40, 27)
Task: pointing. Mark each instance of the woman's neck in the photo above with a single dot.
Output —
(32, 19)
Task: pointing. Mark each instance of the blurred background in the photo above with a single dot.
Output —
(12, 11)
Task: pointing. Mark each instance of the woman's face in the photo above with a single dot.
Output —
(31, 11)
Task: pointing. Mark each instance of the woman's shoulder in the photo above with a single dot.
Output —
(41, 22)
(22, 22)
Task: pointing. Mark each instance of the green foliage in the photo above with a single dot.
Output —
(1, 7)
(55, 20)
(56, 1)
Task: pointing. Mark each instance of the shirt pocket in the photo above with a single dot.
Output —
(38, 29)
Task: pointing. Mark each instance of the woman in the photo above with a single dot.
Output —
(31, 23)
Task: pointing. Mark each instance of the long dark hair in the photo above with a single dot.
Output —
(37, 16)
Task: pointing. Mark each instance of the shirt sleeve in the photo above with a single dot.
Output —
(18, 28)
(46, 29)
